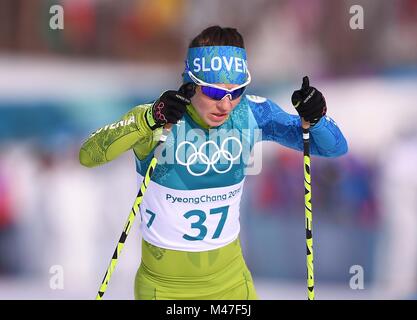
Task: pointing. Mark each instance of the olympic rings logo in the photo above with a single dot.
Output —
(199, 154)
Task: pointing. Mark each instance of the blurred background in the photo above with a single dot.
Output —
(57, 86)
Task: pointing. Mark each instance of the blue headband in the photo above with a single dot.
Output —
(217, 64)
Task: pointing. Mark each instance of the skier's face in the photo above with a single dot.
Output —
(213, 112)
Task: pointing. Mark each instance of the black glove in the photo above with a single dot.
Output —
(170, 106)
(309, 102)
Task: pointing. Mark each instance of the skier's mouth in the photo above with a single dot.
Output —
(218, 116)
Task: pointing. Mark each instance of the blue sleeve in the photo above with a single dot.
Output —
(326, 139)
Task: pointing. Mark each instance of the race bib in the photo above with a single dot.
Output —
(190, 220)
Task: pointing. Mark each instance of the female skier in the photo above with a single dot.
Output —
(190, 211)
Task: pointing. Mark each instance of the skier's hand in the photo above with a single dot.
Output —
(309, 103)
(169, 107)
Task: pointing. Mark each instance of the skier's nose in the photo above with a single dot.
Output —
(225, 105)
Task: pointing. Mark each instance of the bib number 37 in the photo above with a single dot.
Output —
(199, 224)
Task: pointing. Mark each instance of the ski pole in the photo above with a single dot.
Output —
(133, 212)
(308, 214)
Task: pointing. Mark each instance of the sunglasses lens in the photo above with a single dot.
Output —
(218, 94)
(237, 93)
(214, 93)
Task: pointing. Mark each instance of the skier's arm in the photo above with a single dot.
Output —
(326, 139)
(108, 142)
(139, 129)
